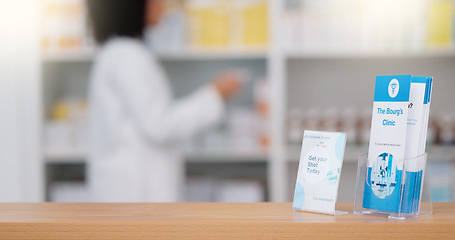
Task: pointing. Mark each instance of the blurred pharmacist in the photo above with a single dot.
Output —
(136, 124)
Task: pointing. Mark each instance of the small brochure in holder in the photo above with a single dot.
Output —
(396, 188)
(319, 171)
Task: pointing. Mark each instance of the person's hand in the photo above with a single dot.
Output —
(228, 84)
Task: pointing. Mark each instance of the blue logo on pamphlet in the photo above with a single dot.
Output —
(394, 88)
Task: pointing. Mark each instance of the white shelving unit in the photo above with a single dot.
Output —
(69, 56)
(435, 53)
(186, 54)
(198, 156)
(296, 78)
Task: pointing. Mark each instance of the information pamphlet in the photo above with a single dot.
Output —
(398, 134)
(319, 171)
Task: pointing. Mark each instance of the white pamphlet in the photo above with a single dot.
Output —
(319, 171)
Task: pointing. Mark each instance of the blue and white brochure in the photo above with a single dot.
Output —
(418, 111)
(387, 143)
(319, 171)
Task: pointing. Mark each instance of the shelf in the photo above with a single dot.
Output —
(65, 157)
(302, 55)
(80, 55)
(193, 156)
(250, 53)
(87, 55)
(226, 155)
(213, 54)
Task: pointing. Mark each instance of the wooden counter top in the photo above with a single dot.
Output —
(210, 221)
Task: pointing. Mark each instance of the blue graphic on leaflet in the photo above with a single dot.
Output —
(299, 196)
(393, 88)
(383, 187)
(411, 192)
(429, 84)
(371, 200)
(383, 184)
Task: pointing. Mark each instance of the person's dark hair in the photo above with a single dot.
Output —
(111, 18)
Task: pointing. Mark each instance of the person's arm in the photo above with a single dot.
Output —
(148, 101)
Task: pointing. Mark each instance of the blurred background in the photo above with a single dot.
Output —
(309, 64)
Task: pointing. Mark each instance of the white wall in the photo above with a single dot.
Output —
(20, 162)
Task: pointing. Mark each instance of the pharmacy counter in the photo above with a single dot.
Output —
(210, 221)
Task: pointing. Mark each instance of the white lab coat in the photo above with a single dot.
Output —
(135, 125)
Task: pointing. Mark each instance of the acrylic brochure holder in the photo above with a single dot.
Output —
(412, 194)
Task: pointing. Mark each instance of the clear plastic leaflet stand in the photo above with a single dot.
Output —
(414, 194)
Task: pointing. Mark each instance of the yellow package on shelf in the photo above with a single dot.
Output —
(440, 23)
(209, 23)
(254, 22)
(63, 25)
